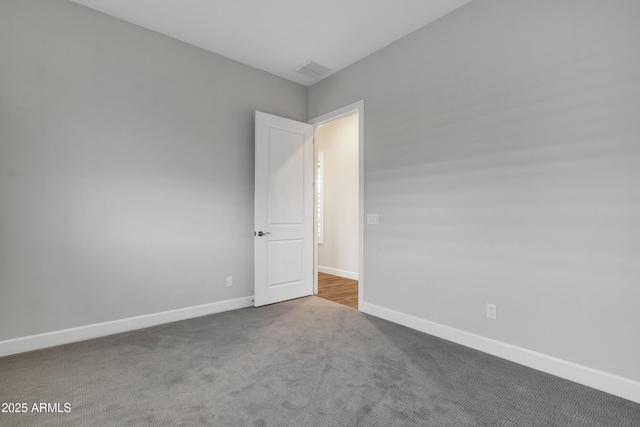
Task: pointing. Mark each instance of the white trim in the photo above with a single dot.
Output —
(356, 107)
(315, 214)
(604, 381)
(66, 336)
(336, 272)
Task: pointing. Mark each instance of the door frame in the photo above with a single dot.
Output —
(356, 107)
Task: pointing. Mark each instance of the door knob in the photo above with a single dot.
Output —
(263, 233)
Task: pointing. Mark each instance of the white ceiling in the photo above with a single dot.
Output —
(279, 36)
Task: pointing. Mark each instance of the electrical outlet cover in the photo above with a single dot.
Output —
(492, 311)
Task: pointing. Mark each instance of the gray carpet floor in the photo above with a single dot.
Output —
(307, 362)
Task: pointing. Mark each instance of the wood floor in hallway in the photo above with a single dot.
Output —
(338, 289)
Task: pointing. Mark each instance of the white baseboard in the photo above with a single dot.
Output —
(66, 336)
(609, 383)
(336, 272)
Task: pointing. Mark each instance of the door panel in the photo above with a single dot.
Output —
(284, 209)
(285, 262)
(286, 160)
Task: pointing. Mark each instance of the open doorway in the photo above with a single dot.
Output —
(337, 209)
(338, 206)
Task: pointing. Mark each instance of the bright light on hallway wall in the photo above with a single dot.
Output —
(320, 197)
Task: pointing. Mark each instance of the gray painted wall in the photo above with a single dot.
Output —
(126, 168)
(502, 152)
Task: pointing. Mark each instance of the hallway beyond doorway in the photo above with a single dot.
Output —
(338, 289)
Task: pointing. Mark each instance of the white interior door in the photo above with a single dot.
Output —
(283, 209)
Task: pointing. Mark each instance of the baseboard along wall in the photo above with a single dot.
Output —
(599, 380)
(66, 336)
(609, 383)
(336, 272)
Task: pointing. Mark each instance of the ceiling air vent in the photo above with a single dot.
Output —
(313, 70)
